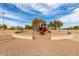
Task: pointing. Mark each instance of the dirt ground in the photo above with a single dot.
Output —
(41, 46)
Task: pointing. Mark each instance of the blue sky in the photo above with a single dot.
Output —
(23, 13)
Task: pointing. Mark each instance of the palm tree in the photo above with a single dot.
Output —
(56, 24)
(60, 24)
(50, 25)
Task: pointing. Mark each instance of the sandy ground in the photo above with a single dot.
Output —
(41, 46)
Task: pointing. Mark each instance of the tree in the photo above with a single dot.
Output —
(50, 25)
(12, 28)
(19, 28)
(76, 27)
(0, 26)
(5, 26)
(56, 24)
(60, 24)
(28, 27)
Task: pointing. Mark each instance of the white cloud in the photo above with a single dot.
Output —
(45, 10)
(9, 14)
(10, 23)
(53, 5)
(23, 6)
(74, 18)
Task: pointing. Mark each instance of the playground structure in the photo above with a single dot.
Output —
(41, 28)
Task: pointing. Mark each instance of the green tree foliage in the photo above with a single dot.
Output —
(56, 25)
(4, 26)
(12, 28)
(19, 28)
(76, 27)
(0, 26)
(28, 27)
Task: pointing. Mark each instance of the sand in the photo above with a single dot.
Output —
(41, 46)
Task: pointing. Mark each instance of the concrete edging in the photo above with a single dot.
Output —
(61, 37)
(27, 37)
